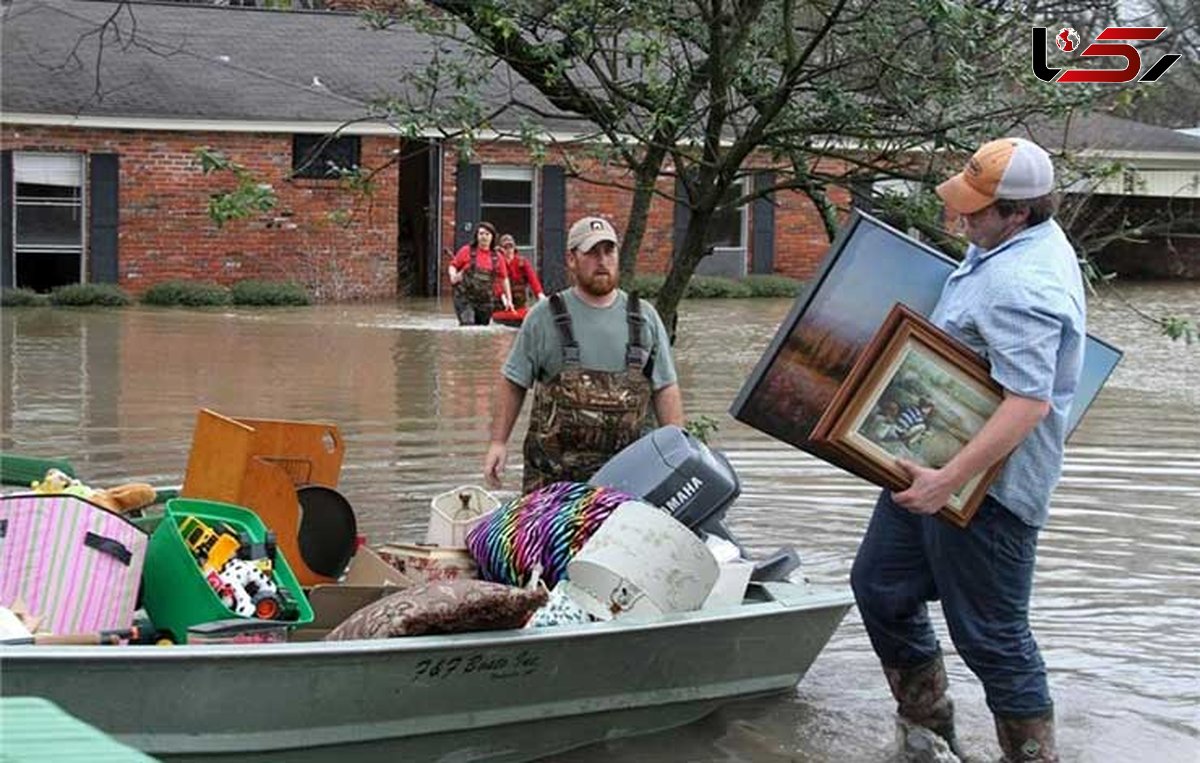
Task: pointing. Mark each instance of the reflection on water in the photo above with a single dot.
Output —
(1115, 603)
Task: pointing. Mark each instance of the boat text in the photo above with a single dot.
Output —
(494, 666)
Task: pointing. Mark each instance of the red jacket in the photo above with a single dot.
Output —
(520, 273)
(484, 260)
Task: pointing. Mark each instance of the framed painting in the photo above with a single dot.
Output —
(869, 268)
(914, 393)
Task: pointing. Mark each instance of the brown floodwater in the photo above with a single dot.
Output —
(1115, 604)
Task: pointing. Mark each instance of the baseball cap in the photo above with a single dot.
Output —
(1008, 168)
(590, 231)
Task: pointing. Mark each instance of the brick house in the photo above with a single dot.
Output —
(1157, 190)
(101, 184)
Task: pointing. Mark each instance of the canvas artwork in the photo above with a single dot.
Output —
(915, 393)
(869, 268)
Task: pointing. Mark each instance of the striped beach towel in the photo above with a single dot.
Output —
(545, 528)
(74, 563)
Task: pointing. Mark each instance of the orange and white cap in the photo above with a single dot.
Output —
(1008, 168)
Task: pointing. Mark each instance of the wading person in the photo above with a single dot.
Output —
(476, 273)
(1018, 300)
(521, 273)
(596, 357)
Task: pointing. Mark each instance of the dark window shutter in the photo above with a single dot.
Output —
(763, 238)
(683, 213)
(553, 236)
(6, 219)
(433, 225)
(102, 236)
(466, 204)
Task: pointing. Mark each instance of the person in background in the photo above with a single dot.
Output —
(476, 273)
(521, 273)
(596, 357)
(1017, 298)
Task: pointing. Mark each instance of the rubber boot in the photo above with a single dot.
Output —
(921, 698)
(1023, 740)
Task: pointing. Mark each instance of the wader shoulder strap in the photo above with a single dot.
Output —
(562, 321)
(636, 353)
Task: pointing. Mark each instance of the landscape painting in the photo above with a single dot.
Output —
(869, 268)
(924, 412)
(918, 394)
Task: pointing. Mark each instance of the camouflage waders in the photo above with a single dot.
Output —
(1024, 740)
(921, 698)
(518, 295)
(581, 418)
(516, 278)
(476, 288)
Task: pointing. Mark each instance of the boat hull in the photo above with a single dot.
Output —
(497, 696)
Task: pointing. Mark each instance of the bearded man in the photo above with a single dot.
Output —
(596, 357)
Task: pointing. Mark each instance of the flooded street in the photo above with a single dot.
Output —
(1115, 606)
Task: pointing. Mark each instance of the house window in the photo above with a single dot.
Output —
(727, 231)
(320, 156)
(48, 217)
(507, 201)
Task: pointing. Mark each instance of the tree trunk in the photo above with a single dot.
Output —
(646, 177)
(683, 265)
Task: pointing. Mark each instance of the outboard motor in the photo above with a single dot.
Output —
(678, 473)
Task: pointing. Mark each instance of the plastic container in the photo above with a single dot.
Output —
(175, 593)
(454, 513)
(641, 562)
(426, 564)
(730, 588)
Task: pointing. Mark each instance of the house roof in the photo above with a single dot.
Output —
(221, 67)
(213, 63)
(1105, 133)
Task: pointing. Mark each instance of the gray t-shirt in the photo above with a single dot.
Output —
(600, 332)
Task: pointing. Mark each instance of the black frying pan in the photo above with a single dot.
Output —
(327, 529)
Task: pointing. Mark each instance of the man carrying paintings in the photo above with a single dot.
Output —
(1017, 299)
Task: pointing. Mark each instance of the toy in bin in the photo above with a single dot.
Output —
(210, 561)
(237, 570)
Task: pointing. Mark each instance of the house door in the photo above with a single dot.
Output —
(48, 220)
(419, 228)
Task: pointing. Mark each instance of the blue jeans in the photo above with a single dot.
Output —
(982, 574)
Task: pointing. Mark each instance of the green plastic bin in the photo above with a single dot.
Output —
(174, 591)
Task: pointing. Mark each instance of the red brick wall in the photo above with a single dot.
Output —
(164, 230)
(800, 240)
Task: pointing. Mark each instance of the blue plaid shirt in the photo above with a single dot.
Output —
(1021, 306)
